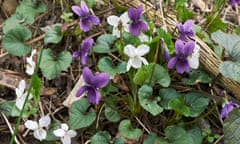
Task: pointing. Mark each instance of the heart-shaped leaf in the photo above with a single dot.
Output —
(79, 116)
(230, 70)
(101, 137)
(51, 66)
(105, 64)
(111, 114)
(126, 129)
(54, 35)
(231, 127)
(103, 43)
(196, 102)
(153, 138)
(14, 41)
(177, 105)
(197, 76)
(148, 101)
(167, 94)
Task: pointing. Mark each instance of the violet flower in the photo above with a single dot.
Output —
(137, 24)
(86, 45)
(93, 83)
(234, 2)
(227, 108)
(85, 18)
(185, 30)
(181, 59)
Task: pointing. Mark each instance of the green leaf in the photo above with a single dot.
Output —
(13, 22)
(177, 135)
(50, 135)
(215, 24)
(196, 135)
(125, 129)
(90, 3)
(183, 13)
(231, 42)
(111, 114)
(14, 41)
(79, 116)
(6, 107)
(149, 102)
(36, 88)
(154, 73)
(230, 70)
(128, 38)
(231, 127)
(196, 102)
(119, 140)
(167, 94)
(101, 137)
(105, 64)
(197, 76)
(178, 106)
(167, 39)
(152, 138)
(54, 35)
(51, 66)
(103, 43)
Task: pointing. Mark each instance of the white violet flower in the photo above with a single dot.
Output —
(64, 133)
(193, 59)
(39, 133)
(116, 22)
(21, 96)
(144, 38)
(30, 63)
(135, 55)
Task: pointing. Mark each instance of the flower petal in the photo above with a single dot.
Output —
(101, 80)
(64, 126)
(44, 121)
(32, 125)
(188, 48)
(19, 102)
(93, 96)
(66, 140)
(188, 25)
(71, 133)
(77, 10)
(81, 90)
(136, 62)
(84, 7)
(129, 64)
(88, 76)
(94, 19)
(143, 26)
(124, 18)
(84, 24)
(116, 32)
(113, 20)
(134, 29)
(59, 132)
(182, 66)
(76, 54)
(172, 62)
(40, 134)
(142, 50)
(86, 45)
(179, 45)
(144, 61)
(194, 58)
(129, 50)
(135, 14)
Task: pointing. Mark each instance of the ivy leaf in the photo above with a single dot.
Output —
(231, 127)
(79, 117)
(103, 43)
(230, 70)
(101, 137)
(105, 64)
(149, 102)
(197, 76)
(54, 35)
(167, 94)
(196, 102)
(177, 105)
(125, 129)
(51, 66)
(14, 41)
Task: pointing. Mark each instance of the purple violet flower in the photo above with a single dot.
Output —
(85, 18)
(182, 52)
(166, 55)
(227, 108)
(93, 83)
(233, 2)
(137, 24)
(86, 45)
(185, 30)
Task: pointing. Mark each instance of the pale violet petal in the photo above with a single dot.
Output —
(116, 32)
(59, 132)
(44, 121)
(124, 18)
(194, 58)
(71, 133)
(64, 126)
(145, 62)
(136, 62)
(40, 134)
(126, 27)
(32, 125)
(129, 64)
(113, 20)
(22, 85)
(143, 37)
(142, 50)
(19, 102)
(129, 50)
(18, 92)
(66, 140)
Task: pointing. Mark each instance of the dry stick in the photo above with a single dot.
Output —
(148, 131)
(208, 59)
(10, 127)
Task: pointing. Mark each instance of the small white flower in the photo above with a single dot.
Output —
(193, 59)
(65, 134)
(135, 55)
(144, 38)
(115, 21)
(30, 63)
(39, 133)
(21, 96)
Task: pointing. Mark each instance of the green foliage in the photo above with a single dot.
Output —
(51, 66)
(128, 38)
(231, 127)
(152, 138)
(111, 114)
(167, 39)
(103, 43)
(67, 16)
(101, 137)
(126, 129)
(105, 64)
(36, 88)
(90, 3)
(183, 13)
(167, 94)
(79, 116)
(14, 41)
(215, 24)
(54, 35)
(148, 101)
(152, 74)
(197, 76)
(179, 106)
